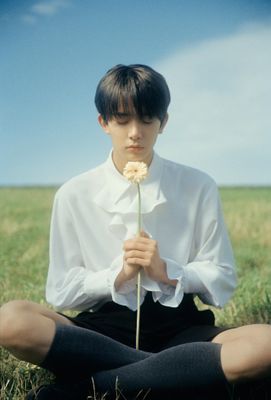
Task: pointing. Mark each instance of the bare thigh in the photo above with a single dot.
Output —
(48, 313)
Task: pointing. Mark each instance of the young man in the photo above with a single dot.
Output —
(95, 257)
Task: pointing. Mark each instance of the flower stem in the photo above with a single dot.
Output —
(138, 275)
(138, 310)
(138, 210)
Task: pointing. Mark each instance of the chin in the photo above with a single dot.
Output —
(137, 158)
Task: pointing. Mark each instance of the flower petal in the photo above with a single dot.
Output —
(135, 171)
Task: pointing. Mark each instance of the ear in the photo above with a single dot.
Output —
(163, 123)
(103, 124)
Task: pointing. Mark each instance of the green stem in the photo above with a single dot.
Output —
(138, 275)
(138, 310)
(138, 210)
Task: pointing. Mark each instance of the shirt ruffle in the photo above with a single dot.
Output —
(121, 199)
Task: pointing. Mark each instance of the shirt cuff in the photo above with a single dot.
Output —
(167, 295)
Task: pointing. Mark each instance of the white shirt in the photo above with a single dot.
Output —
(96, 211)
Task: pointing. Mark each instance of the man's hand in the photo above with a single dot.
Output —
(142, 252)
(128, 272)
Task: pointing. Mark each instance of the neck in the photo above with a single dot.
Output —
(120, 163)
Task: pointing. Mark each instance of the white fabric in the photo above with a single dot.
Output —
(96, 211)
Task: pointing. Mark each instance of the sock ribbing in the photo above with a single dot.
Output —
(81, 352)
(184, 368)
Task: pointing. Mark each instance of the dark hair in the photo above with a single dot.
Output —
(137, 85)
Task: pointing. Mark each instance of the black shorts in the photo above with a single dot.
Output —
(160, 327)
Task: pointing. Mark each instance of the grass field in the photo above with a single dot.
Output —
(24, 228)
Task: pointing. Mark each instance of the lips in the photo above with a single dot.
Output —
(135, 149)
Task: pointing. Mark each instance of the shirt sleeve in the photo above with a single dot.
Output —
(70, 285)
(211, 273)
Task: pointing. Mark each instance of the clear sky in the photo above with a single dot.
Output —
(215, 55)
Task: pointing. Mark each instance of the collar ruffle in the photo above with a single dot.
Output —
(119, 196)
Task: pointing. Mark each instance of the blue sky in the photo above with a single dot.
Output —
(215, 55)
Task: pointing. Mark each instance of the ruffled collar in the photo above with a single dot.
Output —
(119, 197)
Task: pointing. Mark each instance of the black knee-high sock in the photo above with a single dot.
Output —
(78, 353)
(181, 369)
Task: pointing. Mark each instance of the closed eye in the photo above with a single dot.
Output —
(122, 119)
(147, 120)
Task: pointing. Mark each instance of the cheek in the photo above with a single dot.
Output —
(118, 140)
(153, 138)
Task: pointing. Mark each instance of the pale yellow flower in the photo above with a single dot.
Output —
(135, 171)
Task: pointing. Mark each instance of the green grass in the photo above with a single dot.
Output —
(24, 232)
(247, 214)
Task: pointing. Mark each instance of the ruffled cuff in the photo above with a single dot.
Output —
(167, 295)
(127, 294)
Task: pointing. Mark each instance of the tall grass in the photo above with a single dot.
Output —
(24, 229)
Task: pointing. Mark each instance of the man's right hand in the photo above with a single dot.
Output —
(128, 272)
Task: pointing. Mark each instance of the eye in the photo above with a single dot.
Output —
(147, 120)
(122, 119)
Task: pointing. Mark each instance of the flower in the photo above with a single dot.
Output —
(135, 171)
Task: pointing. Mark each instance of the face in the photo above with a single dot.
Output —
(132, 138)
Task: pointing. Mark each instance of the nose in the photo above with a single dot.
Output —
(135, 130)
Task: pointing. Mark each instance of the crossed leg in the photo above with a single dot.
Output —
(27, 330)
(246, 352)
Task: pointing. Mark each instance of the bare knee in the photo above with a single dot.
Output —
(249, 355)
(13, 321)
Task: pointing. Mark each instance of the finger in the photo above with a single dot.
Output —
(144, 234)
(135, 254)
(137, 244)
(138, 261)
(130, 267)
(138, 257)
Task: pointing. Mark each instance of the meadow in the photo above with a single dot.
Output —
(24, 233)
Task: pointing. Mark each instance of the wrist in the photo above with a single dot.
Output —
(166, 280)
(124, 278)
(120, 279)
